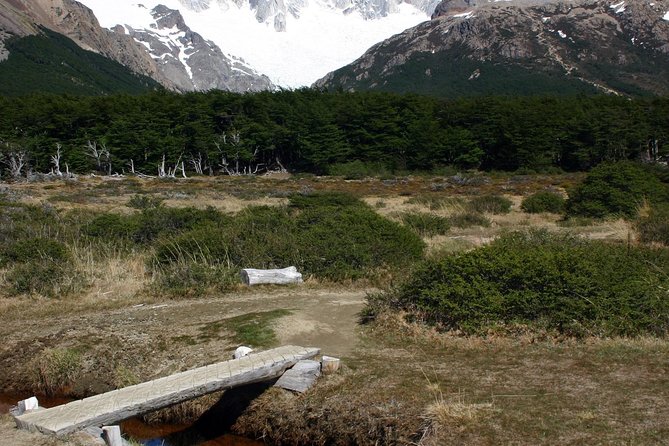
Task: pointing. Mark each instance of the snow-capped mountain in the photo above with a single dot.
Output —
(293, 42)
(187, 59)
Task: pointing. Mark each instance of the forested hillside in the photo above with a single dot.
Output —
(50, 62)
(311, 131)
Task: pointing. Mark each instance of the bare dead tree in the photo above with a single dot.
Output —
(199, 164)
(166, 171)
(101, 156)
(55, 160)
(16, 161)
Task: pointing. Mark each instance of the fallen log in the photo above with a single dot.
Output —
(283, 276)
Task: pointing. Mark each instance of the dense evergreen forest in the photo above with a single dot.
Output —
(312, 131)
(51, 63)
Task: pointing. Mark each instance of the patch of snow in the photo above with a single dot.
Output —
(464, 15)
(666, 17)
(618, 7)
(545, 19)
(561, 34)
(323, 39)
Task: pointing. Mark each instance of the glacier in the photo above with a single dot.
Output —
(293, 43)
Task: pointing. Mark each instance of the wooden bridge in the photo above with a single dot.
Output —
(112, 407)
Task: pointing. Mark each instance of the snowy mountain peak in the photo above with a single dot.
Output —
(186, 58)
(293, 42)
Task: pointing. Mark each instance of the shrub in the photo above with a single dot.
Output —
(426, 225)
(491, 204)
(320, 235)
(552, 282)
(543, 201)
(616, 189)
(193, 279)
(36, 249)
(357, 170)
(468, 219)
(152, 223)
(111, 226)
(144, 202)
(56, 369)
(654, 227)
(37, 277)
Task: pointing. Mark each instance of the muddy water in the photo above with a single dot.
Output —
(204, 432)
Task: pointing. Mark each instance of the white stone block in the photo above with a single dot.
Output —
(242, 351)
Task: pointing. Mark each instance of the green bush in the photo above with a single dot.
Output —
(654, 227)
(426, 225)
(491, 204)
(331, 236)
(144, 202)
(111, 226)
(193, 279)
(36, 249)
(37, 277)
(543, 201)
(616, 189)
(152, 223)
(546, 281)
(468, 219)
(357, 170)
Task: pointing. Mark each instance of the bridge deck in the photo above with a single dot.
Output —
(112, 407)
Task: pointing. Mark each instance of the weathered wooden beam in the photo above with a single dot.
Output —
(283, 276)
(112, 407)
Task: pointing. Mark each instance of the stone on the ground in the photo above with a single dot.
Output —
(283, 276)
(242, 351)
(329, 364)
(301, 377)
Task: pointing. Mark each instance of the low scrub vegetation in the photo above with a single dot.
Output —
(543, 201)
(618, 189)
(550, 282)
(329, 236)
(426, 225)
(491, 204)
(653, 227)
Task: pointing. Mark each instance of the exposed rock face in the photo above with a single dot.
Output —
(188, 60)
(278, 12)
(71, 18)
(614, 46)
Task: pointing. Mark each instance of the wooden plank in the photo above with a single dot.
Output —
(115, 406)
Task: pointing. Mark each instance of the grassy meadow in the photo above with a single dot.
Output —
(498, 310)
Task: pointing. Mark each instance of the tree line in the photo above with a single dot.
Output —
(307, 130)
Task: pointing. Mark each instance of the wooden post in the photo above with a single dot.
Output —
(329, 364)
(27, 405)
(112, 435)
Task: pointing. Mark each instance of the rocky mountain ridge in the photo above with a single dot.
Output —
(619, 47)
(74, 20)
(278, 12)
(190, 61)
(169, 52)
